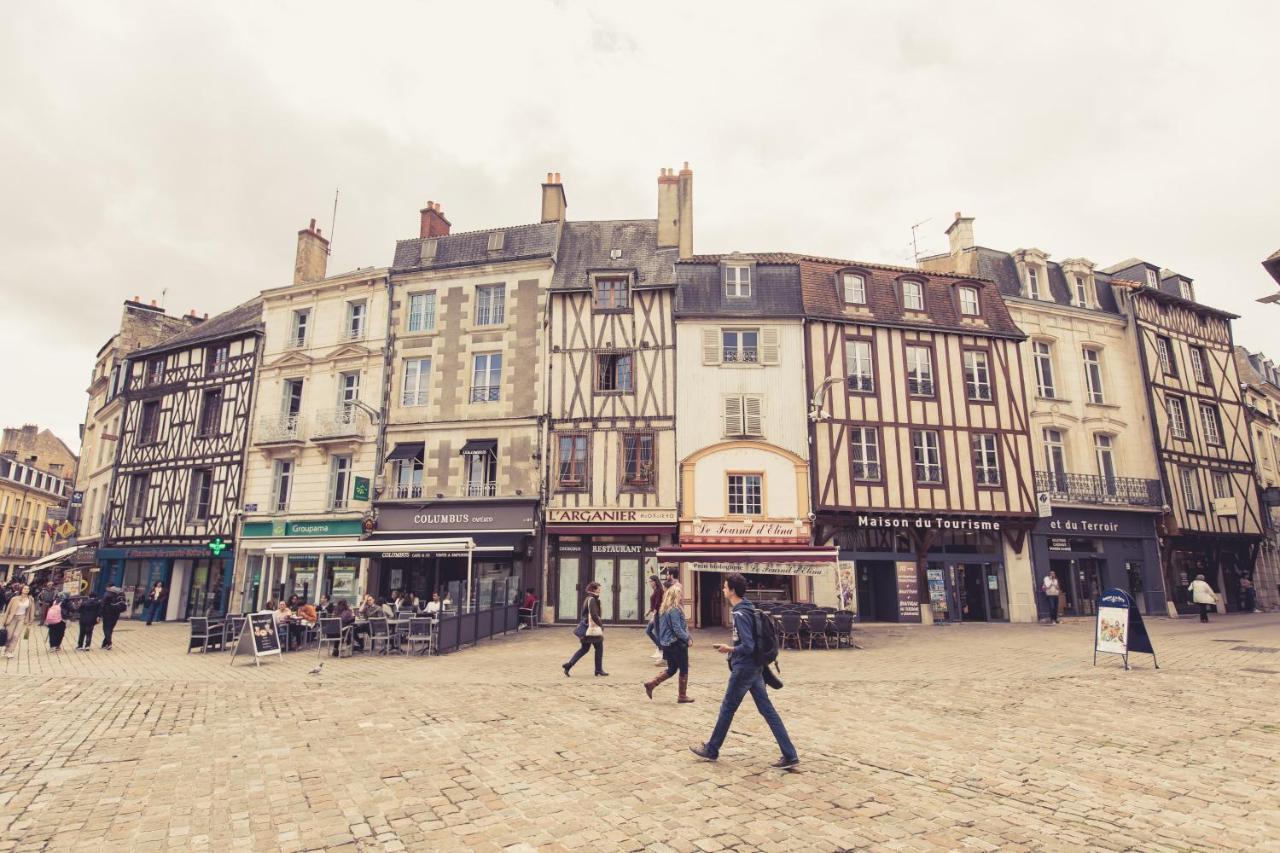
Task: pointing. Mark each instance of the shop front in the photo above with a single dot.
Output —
(893, 565)
(196, 582)
(279, 560)
(616, 547)
(1091, 551)
(425, 558)
(1223, 560)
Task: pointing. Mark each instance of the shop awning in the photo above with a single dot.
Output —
(50, 559)
(412, 450)
(372, 546)
(480, 447)
(762, 561)
(500, 541)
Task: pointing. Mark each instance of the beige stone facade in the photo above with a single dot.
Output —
(1260, 379)
(27, 494)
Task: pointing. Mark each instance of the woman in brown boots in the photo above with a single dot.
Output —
(673, 636)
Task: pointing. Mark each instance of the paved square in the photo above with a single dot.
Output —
(972, 736)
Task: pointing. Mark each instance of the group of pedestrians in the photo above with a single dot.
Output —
(670, 633)
(22, 613)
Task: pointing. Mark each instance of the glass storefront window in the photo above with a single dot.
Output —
(629, 579)
(252, 583)
(567, 602)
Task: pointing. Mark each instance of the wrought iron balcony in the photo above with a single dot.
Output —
(1104, 491)
(406, 492)
(279, 428)
(336, 423)
(479, 490)
(743, 355)
(485, 393)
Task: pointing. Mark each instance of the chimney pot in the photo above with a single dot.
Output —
(313, 225)
(548, 177)
(312, 258)
(557, 177)
(433, 223)
(153, 303)
(554, 203)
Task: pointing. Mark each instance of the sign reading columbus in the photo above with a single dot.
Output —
(457, 518)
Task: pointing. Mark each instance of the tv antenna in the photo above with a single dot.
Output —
(915, 244)
(163, 294)
(333, 222)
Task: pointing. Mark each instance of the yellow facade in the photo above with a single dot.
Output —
(27, 494)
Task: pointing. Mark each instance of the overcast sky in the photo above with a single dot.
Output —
(178, 148)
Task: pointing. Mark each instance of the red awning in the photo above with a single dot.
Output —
(690, 553)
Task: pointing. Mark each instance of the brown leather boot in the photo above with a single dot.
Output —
(684, 685)
(654, 682)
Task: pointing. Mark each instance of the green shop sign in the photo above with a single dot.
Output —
(281, 528)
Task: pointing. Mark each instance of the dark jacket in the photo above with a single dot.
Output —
(592, 606)
(89, 610)
(744, 635)
(113, 604)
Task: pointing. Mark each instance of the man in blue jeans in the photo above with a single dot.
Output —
(745, 676)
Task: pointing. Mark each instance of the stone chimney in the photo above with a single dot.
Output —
(433, 222)
(675, 210)
(553, 200)
(960, 233)
(313, 255)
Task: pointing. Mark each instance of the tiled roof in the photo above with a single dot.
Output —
(1128, 263)
(520, 242)
(775, 291)
(1272, 265)
(587, 247)
(823, 298)
(245, 317)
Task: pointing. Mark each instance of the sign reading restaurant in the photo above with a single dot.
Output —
(924, 522)
(594, 515)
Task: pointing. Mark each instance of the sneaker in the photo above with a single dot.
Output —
(784, 763)
(703, 752)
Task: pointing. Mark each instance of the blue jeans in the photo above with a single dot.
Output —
(744, 679)
(155, 610)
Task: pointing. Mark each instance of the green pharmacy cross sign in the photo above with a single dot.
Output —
(217, 546)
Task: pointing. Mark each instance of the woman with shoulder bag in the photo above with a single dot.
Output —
(590, 632)
(673, 633)
(19, 613)
(56, 623)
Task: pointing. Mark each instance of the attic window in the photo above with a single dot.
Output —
(496, 241)
(1151, 278)
(428, 250)
(969, 301)
(1185, 291)
(912, 296)
(737, 282)
(855, 288)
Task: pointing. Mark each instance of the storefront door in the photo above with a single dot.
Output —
(971, 583)
(1090, 580)
(877, 591)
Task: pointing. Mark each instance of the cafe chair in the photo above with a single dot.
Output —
(379, 632)
(202, 634)
(528, 615)
(790, 620)
(817, 623)
(333, 634)
(842, 628)
(421, 634)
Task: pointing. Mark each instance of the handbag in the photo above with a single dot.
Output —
(594, 630)
(580, 630)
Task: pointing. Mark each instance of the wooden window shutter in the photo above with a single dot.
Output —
(752, 411)
(733, 416)
(710, 346)
(768, 346)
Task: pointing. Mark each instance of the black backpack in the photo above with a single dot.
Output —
(767, 638)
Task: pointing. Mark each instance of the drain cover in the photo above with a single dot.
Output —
(1254, 649)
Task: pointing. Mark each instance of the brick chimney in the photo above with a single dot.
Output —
(433, 222)
(313, 255)
(668, 209)
(685, 206)
(960, 233)
(553, 200)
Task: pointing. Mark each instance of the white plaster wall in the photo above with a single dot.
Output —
(780, 498)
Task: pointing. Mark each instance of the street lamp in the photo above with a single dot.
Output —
(815, 404)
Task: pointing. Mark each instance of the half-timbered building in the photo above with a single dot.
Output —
(1097, 481)
(1260, 384)
(611, 483)
(743, 437)
(314, 449)
(921, 453)
(179, 474)
(1214, 524)
(457, 499)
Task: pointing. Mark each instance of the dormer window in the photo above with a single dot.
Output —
(1184, 290)
(611, 293)
(969, 306)
(497, 239)
(737, 282)
(855, 288)
(1033, 282)
(1081, 292)
(912, 296)
(1152, 281)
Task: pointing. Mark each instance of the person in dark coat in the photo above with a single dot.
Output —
(89, 611)
(594, 636)
(113, 604)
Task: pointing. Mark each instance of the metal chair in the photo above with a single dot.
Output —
(528, 615)
(791, 621)
(421, 633)
(842, 627)
(333, 634)
(817, 622)
(379, 632)
(201, 633)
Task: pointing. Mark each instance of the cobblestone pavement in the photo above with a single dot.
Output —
(973, 736)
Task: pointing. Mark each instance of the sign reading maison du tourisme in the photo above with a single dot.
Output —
(924, 522)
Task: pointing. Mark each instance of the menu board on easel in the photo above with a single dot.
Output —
(908, 592)
(258, 636)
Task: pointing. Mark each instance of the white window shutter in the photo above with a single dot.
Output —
(752, 413)
(732, 416)
(710, 346)
(768, 346)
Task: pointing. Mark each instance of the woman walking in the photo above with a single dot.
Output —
(154, 597)
(655, 605)
(592, 631)
(673, 633)
(19, 613)
(1203, 595)
(56, 623)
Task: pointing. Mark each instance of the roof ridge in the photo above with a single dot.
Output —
(476, 231)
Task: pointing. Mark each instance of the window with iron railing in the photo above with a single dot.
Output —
(486, 378)
(741, 346)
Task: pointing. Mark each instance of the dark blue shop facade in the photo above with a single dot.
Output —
(1095, 550)
(195, 582)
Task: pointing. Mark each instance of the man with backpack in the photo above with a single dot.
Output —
(754, 647)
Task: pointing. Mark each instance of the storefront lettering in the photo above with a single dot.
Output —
(1080, 526)
(615, 549)
(804, 569)
(451, 518)
(771, 529)
(610, 516)
(926, 523)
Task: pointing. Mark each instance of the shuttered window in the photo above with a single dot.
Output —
(743, 416)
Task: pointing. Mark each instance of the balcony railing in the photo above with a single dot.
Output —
(279, 428)
(1095, 489)
(336, 422)
(485, 393)
(479, 490)
(406, 492)
(745, 355)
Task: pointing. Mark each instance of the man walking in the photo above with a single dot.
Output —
(746, 675)
(1052, 591)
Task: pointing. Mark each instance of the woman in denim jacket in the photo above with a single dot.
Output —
(673, 636)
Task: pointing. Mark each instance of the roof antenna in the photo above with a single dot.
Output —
(333, 223)
(915, 245)
(163, 293)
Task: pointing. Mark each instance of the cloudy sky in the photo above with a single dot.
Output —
(162, 149)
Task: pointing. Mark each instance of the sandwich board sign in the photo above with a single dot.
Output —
(258, 636)
(1119, 629)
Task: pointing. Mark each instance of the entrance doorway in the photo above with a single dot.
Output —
(877, 582)
(971, 590)
(1089, 582)
(710, 599)
(621, 589)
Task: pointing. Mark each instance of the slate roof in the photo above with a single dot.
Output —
(520, 242)
(585, 247)
(1001, 268)
(775, 290)
(245, 317)
(1272, 265)
(1127, 264)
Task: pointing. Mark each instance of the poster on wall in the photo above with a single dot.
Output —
(344, 584)
(1119, 628)
(845, 584)
(304, 583)
(908, 593)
